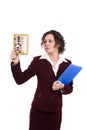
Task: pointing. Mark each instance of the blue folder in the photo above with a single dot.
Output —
(69, 74)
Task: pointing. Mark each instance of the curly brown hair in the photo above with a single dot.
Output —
(59, 40)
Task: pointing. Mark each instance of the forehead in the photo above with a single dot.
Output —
(49, 36)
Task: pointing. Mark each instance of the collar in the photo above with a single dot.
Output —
(61, 59)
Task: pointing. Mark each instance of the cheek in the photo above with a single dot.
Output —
(55, 48)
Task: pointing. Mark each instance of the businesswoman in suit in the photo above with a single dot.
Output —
(46, 108)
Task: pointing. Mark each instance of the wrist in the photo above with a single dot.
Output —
(62, 90)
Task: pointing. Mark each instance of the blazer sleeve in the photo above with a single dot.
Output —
(21, 77)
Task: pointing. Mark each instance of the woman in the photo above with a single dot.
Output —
(46, 109)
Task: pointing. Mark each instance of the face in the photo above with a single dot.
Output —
(49, 44)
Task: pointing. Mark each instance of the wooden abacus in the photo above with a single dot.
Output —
(20, 43)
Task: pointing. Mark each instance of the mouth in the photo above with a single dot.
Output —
(47, 48)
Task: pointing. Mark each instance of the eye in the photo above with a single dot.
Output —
(50, 41)
(44, 41)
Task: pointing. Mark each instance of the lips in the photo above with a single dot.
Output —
(47, 48)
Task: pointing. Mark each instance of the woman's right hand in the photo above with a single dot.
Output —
(14, 57)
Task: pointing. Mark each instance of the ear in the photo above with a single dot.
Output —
(58, 45)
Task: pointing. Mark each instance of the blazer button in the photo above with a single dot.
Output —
(40, 95)
(52, 96)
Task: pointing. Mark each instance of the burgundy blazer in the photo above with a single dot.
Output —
(45, 98)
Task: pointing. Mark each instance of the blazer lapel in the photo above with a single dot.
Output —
(48, 67)
(62, 67)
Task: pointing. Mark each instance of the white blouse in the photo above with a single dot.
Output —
(54, 67)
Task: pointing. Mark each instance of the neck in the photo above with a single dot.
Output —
(54, 57)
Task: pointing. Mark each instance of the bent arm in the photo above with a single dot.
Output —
(57, 85)
(21, 77)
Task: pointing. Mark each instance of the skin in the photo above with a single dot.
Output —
(51, 49)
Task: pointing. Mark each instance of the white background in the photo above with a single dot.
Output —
(34, 18)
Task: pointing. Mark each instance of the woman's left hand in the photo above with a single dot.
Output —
(57, 85)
